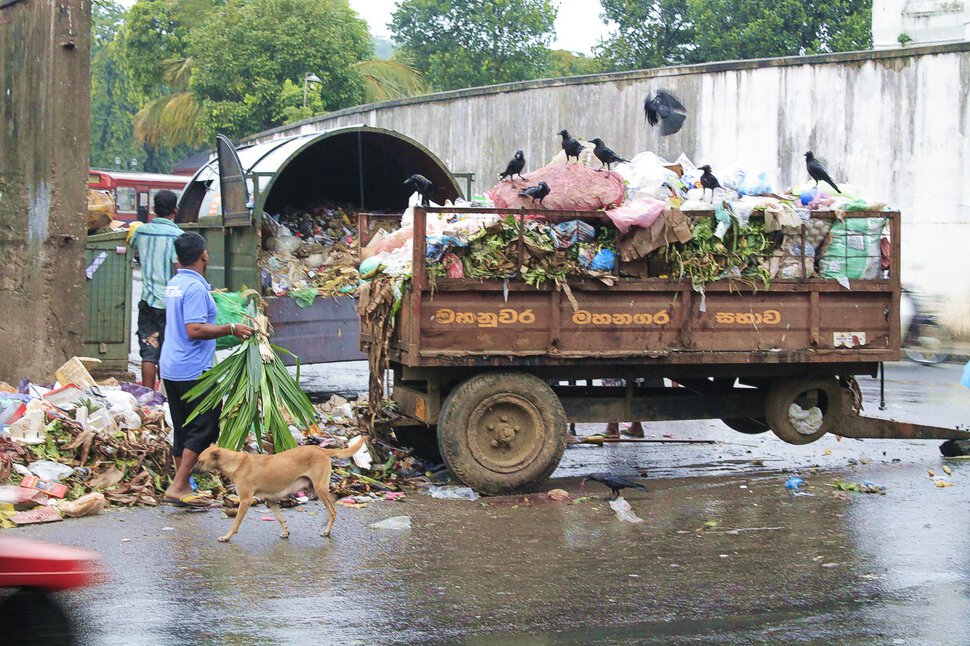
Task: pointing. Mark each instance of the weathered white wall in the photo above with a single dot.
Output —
(894, 123)
(925, 21)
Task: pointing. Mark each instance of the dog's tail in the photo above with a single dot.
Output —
(352, 448)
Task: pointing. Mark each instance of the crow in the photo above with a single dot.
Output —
(708, 181)
(570, 145)
(605, 155)
(515, 167)
(818, 172)
(538, 192)
(614, 482)
(422, 185)
(665, 109)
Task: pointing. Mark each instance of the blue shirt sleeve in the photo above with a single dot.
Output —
(195, 306)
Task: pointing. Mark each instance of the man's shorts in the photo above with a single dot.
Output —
(151, 332)
(202, 431)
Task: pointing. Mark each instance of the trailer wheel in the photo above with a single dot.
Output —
(748, 426)
(825, 393)
(502, 432)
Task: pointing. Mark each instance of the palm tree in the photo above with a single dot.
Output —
(172, 119)
(392, 79)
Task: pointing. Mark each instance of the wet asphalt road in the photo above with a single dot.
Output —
(725, 555)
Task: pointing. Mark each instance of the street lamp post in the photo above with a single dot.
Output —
(309, 77)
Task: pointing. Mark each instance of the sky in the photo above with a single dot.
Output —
(578, 25)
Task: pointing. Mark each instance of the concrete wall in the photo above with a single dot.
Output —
(44, 49)
(894, 123)
(927, 22)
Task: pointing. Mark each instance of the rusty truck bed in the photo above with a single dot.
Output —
(466, 322)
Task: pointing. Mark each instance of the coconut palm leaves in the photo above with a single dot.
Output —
(172, 119)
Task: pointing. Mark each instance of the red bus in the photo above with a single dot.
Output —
(134, 192)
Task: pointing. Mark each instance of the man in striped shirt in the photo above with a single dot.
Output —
(155, 245)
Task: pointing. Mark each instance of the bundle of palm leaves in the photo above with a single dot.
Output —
(258, 394)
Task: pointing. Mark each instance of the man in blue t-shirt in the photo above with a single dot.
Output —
(189, 351)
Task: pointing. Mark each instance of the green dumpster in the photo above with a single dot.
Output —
(107, 324)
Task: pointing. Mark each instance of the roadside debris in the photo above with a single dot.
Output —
(793, 486)
(394, 522)
(452, 492)
(855, 487)
(623, 511)
(87, 505)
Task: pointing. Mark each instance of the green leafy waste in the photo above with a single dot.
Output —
(257, 391)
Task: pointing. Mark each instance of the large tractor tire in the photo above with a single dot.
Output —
(502, 432)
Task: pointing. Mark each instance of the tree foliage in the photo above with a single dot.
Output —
(246, 51)
(466, 43)
(672, 32)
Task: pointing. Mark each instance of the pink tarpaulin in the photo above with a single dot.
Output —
(572, 187)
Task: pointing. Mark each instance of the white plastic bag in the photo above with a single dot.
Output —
(453, 493)
(394, 522)
(623, 511)
(48, 470)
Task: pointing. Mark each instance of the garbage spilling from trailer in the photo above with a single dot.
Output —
(646, 218)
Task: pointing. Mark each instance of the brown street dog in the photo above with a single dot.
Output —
(273, 477)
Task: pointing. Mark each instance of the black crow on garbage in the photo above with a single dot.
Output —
(606, 155)
(818, 172)
(664, 109)
(570, 145)
(708, 181)
(515, 167)
(538, 192)
(614, 482)
(422, 185)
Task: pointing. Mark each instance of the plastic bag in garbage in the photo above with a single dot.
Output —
(623, 511)
(123, 408)
(605, 260)
(49, 470)
(87, 505)
(805, 422)
(394, 522)
(453, 493)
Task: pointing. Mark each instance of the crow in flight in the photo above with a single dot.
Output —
(605, 155)
(422, 185)
(515, 167)
(663, 108)
(708, 181)
(818, 172)
(570, 145)
(614, 482)
(538, 192)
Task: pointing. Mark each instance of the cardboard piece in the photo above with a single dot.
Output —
(53, 489)
(672, 226)
(39, 515)
(74, 371)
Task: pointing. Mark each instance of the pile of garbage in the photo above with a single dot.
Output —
(80, 445)
(309, 252)
(660, 224)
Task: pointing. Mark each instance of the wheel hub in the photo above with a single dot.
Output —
(505, 432)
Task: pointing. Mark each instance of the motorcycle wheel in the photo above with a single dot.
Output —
(930, 344)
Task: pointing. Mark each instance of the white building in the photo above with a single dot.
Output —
(919, 22)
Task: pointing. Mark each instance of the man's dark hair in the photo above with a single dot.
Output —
(189, 247)
(165, 201)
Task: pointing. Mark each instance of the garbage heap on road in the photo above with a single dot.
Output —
(79, 446)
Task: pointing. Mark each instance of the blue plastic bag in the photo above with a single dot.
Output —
(605, 260)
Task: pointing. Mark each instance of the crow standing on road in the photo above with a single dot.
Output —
(708, 181)
(818, 172)
(605, 155)
(538, 192)
(422, 185)
(663, 108)
(570, 145)
(614, 482)
(514, 168)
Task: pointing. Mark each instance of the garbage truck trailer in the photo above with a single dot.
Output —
(498, 369)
